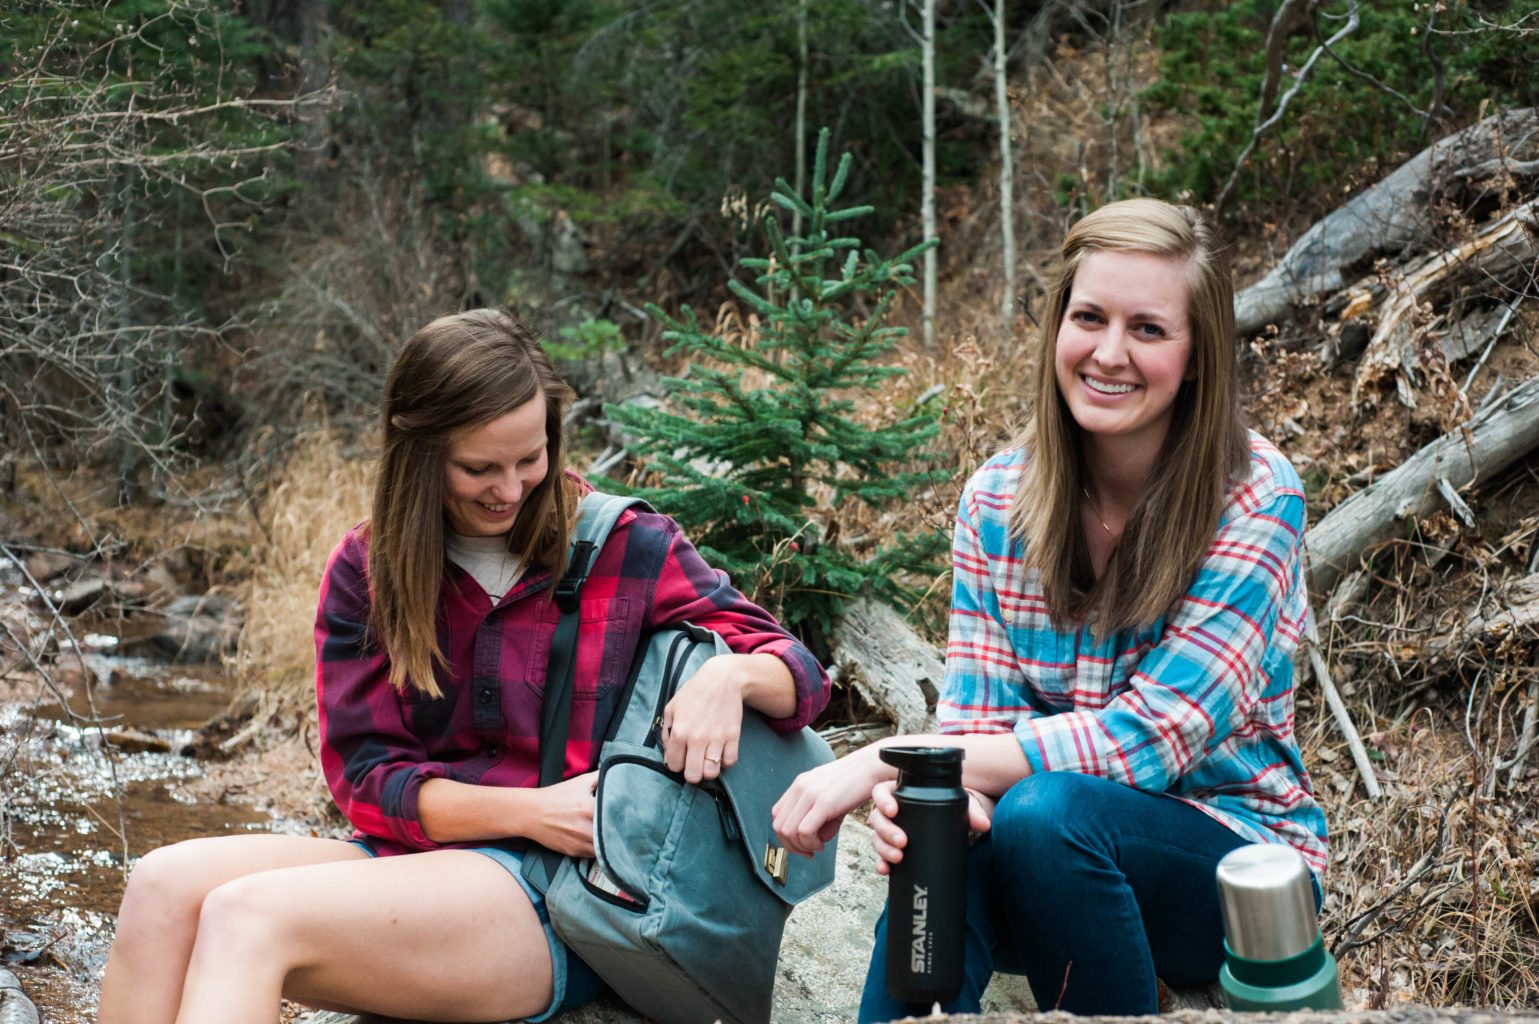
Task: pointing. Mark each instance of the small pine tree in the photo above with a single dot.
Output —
(768, 428)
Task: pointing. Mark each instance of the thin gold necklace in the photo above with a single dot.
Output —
(1095, 511)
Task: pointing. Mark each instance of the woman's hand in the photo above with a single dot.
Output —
(564, 821)
(703, 721)
(808, 814)
(889, 840)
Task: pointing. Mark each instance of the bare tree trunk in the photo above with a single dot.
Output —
(927, 206)
(1006, 167)
(800, 132)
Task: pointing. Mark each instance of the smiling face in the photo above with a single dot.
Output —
(1123, 347)
(491, 468)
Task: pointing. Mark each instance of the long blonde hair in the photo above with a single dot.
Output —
(1206, 446)
(458, 372)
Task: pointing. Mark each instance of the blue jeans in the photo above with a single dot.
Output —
(1089, 888)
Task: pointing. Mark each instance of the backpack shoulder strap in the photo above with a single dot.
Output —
(596, 518)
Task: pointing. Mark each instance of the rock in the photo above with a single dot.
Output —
(46, 565)
(199, 628)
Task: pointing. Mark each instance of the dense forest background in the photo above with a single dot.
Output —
(218, 220)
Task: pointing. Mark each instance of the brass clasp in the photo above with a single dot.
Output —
(775, 862)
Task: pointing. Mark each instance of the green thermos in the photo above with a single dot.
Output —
(1274, 957)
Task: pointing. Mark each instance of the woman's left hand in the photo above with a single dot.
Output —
(889, 840)
(703, 721)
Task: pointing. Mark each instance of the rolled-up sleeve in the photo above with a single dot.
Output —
(373, 764)
(689, 590)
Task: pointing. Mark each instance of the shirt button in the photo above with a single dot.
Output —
(485, 695)
(492, 750)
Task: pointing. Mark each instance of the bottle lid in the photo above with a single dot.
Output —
(1268, 902)
(941, 765)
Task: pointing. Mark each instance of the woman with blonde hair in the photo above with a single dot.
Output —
(432, 638)
(1128, 591)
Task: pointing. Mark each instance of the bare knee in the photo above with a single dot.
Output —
(241, 918)
(166, 888)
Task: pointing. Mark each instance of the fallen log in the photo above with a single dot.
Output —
(1502, 253)
(894, 669)
(1501, 433)
(1385, 218)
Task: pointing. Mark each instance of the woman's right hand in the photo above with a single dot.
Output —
(564, 822)
(809, 813)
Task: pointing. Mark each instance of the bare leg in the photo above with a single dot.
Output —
(158, 920)
(448, 935)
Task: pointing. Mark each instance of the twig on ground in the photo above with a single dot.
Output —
(1339, 709)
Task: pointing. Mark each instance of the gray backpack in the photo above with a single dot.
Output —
(681, 911)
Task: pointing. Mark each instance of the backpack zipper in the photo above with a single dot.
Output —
(672, 668)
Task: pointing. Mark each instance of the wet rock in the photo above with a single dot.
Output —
(199, 629)
(80, 595)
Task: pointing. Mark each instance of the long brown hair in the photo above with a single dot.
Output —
(1173, 523)
(458, 372)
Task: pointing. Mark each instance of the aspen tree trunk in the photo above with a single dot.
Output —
(801, 112)
(1006, 167)
(927, 208)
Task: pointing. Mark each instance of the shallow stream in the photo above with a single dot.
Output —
(75, 809)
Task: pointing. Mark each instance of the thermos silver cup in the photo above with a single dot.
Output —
(926, 890)
(1274, 956)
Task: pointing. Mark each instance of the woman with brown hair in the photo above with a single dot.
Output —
(1128, 591)
(432, 637)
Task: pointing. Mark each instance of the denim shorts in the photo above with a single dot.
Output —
(573, 982)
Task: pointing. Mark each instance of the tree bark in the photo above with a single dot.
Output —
(1006, 168)
(927, 203)
(893, 668)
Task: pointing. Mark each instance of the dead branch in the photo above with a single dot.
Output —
(1519, 612)
(1503, 432)
(1264, 121)
(1387, 216)
(1502, 253)
(1339, 708)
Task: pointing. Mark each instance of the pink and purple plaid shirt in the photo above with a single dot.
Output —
(378, 746)
(1199, 705)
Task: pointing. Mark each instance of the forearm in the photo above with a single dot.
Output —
(767, 684)
(759, 681)
(992, 764)
(456, 811)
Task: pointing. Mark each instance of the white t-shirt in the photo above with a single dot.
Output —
(488, 561)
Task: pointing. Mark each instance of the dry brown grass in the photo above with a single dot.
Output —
(321, 494)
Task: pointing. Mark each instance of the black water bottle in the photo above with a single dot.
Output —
(926, 890)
